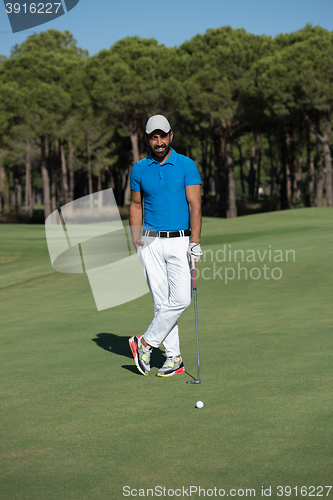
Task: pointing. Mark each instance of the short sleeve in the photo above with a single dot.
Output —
(135, 178)
(192, 175)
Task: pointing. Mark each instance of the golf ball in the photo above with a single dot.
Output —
(199, 404)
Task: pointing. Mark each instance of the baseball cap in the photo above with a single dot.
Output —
(157, 122)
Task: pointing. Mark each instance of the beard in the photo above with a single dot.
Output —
(160, 155)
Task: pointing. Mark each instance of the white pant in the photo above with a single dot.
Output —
(167, 271)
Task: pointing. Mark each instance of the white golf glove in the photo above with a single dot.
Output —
(194, 252)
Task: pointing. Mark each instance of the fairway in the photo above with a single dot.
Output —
(78, 422)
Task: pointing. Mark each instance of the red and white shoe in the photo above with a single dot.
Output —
(141, 354)
(172, 366)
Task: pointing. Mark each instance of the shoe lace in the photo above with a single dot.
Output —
(147, 352)
(171, 361)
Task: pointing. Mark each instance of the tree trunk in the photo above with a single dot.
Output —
(231, 204)
(328, 162)
(18, 194)
(252, 173)
(310, 168)
(298, 170)
(112, 180)
(46, 181)
(320, 175)
(205, 173)
(71, 170)
(104, 177)
(136, 158)
(116, 183)
(64, 180)
(135, 147)
(325, 138)
(124, 182)
(29, 205)
(258, 162)
(241, 170)
(291, 163)
(279, 182)
(99, 189)
(285, 191)
(220, 178)
(211, 176)
(274, 173)
(289, 168)
(4, 187)
(53, 192)
(90, 185)
(53, 179)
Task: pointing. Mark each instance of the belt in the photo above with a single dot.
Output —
(167, 234)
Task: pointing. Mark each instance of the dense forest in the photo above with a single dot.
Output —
(254, 113)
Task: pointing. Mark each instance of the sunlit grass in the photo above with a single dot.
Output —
(79, 422)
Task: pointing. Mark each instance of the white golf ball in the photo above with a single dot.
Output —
(199, 404)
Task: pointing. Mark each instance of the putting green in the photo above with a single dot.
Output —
(79, 422)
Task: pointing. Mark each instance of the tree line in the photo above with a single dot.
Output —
(254, 112)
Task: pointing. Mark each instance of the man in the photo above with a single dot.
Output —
(169, 186)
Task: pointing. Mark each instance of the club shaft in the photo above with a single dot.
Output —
(196, 327)
(194, 284)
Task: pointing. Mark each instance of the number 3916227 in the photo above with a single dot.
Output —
(304, 491)
(33, 8)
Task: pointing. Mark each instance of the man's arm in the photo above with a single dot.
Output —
(135, 218)
(193, 196)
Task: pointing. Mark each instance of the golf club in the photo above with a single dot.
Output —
(194, 284)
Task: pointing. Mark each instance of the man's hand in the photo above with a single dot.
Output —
(194, 252)
(138, 243)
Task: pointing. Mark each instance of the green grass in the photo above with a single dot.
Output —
(79, 422)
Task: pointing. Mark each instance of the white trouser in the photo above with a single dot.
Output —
(166, 268)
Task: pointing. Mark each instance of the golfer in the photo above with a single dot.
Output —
(168, 185)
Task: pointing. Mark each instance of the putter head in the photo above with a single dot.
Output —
(196, 381)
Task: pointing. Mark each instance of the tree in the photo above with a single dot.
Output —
(43, 67)
(124, 81)
(10, 95)
(219, 63)
(50, 41)
(295, 86)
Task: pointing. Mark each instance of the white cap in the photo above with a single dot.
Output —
(157, 122)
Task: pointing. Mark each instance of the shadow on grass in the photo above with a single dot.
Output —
(119, 345)
(192, 376)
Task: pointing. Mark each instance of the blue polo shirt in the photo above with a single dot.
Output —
(163, 189)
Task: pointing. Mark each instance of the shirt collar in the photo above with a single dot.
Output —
(171, 159)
